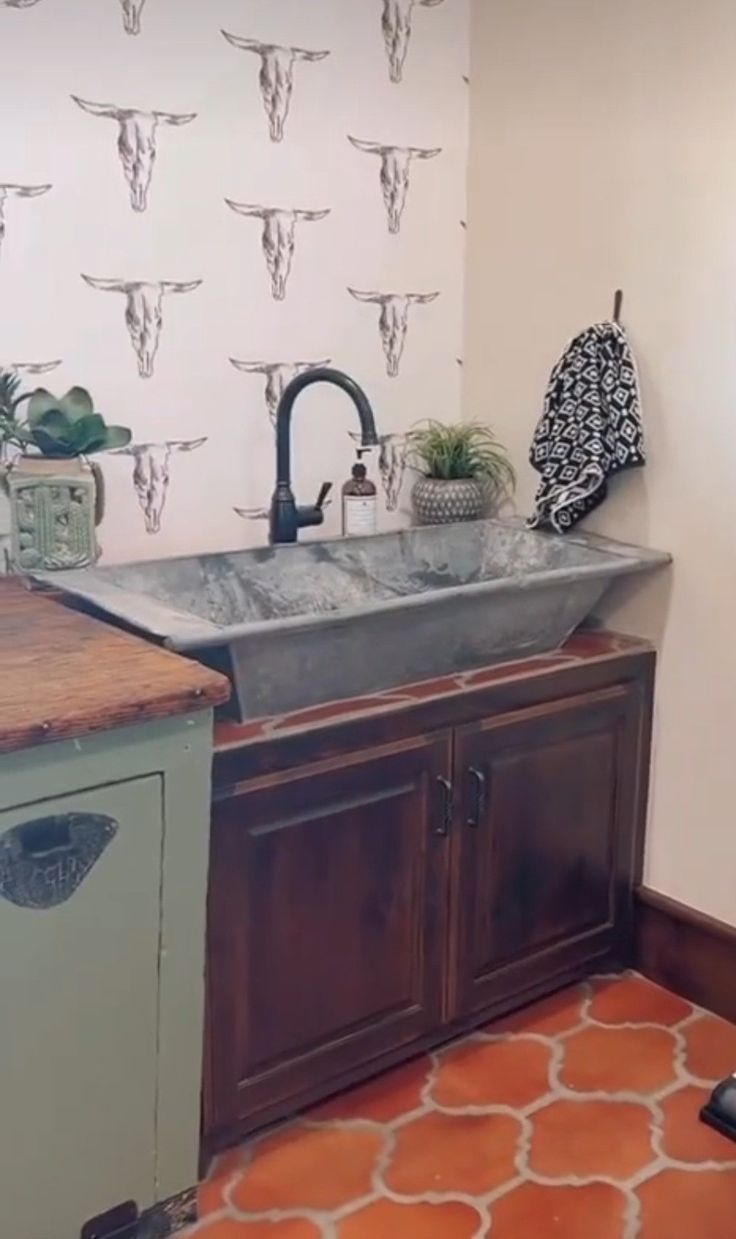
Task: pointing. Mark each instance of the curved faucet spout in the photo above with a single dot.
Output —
(286, 518)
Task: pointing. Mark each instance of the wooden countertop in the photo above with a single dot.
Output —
(65, 675)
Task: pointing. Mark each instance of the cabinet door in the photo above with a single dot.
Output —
(326, 924)
(80, 879)
(544, 846)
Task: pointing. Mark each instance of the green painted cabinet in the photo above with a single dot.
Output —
(103, 856)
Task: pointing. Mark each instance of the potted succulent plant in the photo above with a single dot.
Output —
(56, 494)
(465, 472)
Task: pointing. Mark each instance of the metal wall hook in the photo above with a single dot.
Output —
(618, 301)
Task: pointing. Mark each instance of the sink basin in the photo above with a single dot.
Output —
(296, 626)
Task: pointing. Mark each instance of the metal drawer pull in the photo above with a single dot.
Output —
(43, 862)
(479, 786)
(445, 823)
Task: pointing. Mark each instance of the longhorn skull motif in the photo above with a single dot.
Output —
(137, 142)
(277, 374)
(152, 474)
(393, 321)
(143, 312)
(396, 164)
(276, 77)
(396, 24)
(278, 238)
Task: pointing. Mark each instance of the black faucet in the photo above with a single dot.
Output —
(286, 517)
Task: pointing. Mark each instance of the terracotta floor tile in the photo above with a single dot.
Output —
(309, 1169)
(493, 1073)
(228, 1228)
(591, 1138)
(681, 1204)
(685, 1138)
(638, 1060)
(556, 1014)
(532, 1212)
(383, 1099)
(711, 1050)
(210, 1195)
(210, 1198)
(458, 1153)
(386, 1220)
(633, 1000)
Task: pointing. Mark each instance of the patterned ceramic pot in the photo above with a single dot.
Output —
(55, 507)
(436, 501)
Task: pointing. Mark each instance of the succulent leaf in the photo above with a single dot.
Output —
(88, 433)
(49, 445)
(40, 403)
(117, 436)
(77, 403)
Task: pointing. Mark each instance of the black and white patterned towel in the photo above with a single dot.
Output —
(590, 429)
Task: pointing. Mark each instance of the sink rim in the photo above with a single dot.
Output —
(182, 630)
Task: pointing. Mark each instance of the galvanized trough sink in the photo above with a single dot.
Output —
(296, 626)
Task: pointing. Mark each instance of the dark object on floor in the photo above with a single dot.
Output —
(118, 1223)
(720, 1111)
(162, 1220)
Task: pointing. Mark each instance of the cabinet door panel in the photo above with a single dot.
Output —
(544, 846)
(326, 920)
(79, 982)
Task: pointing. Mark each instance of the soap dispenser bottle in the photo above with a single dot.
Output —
(359, 503)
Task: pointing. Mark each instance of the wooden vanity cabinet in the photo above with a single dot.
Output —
(368, 901)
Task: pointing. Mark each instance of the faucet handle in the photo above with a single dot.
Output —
(324, 491)
(314, 515)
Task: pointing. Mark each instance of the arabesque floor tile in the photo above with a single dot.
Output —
(619, 1060)
(557, 1014)
(687, 1141)
(595, 1211)
(590, 1139)
(385, 1098)
(493, 1073)
(711, 1049)
(229, 1228)
(380, 1162)
(634, 1000)
(444, 1153)
(386, 1220)
(680, 1204)
(303, 1168)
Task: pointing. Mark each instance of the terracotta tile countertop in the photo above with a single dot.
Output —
(585, 646)
(65, 675)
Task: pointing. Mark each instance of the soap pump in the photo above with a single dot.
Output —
(359, 503)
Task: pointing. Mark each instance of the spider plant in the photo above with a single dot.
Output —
(461, 450)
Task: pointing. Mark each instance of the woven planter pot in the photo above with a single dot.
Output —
(436, 501)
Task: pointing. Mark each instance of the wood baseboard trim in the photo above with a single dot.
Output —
(686, 951)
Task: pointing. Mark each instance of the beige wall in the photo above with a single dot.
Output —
(603, 153)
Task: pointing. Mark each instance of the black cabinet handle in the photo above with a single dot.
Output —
(479, 797)
(445, 822)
